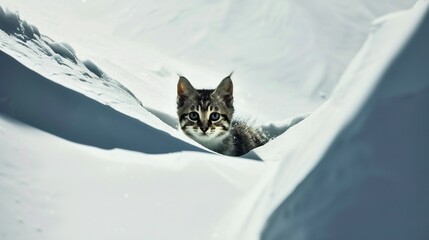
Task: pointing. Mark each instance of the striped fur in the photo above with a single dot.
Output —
(206, 117)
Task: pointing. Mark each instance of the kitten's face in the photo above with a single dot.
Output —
(205, 115)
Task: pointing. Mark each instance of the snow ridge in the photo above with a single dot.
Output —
(38, 101)
(372, 182)
(26, 38)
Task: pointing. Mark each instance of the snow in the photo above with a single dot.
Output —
(93, 68)
(372, 182)
(89, 148)
(73, 116)
(362, 175)
(63, 51)
(55, 189)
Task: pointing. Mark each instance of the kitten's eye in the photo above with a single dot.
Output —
(194, 116)
(214, 116)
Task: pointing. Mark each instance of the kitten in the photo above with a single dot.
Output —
(206, 117)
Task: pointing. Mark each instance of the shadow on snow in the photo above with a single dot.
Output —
(29, 97)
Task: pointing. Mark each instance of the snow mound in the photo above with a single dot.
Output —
(63, 51)
(12, 24)
(93, 68)
(45, 49)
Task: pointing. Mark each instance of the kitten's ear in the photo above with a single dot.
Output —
(184, 88)
(225, 89)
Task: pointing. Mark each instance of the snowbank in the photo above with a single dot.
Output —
(12, 25)
(53, 107)
(360, 171)
(39, 102)
(55, 189)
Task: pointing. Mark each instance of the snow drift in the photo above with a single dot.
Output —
(55, 189)
(33, 99)
(365, 177)
(372, 182)
(37, 101)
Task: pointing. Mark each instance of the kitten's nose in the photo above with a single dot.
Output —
(204, 129)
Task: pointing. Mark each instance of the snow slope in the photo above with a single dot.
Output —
(55, 189)
(363, 175)
(39, 102)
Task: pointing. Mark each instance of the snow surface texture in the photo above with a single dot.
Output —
(56, 189)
